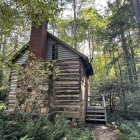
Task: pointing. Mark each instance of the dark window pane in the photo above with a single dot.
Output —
(54, 52)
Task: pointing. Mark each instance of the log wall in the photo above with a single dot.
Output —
(67, 88)
(12, 101)
(84, 91)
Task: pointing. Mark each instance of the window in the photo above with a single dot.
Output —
(54, 52)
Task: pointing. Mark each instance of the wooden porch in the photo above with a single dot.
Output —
(96, 109)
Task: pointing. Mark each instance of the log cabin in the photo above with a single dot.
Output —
(67, 93)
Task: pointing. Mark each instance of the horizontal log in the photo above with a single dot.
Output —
(67, 92)
(67, 106)
(13, 88)
(14, 80)
(14, 77)
(67, 61)
(11, 105)
(13, 71)
(67, 79)
(12, 96)
(66, 96)
(67, 111)
(68, 75)
(66, 82)
(66, 102)
(66, 85)
(65, 64)
(67, 67)
(69, 72)
(11, 101)
(13, 74)
(65, 88)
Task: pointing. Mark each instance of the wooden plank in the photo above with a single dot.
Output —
(101, 120)
(65, 88)
(12, 96)
(67, 79)
(96, 111)
(67, 106)
(74, 59)
(13, 88)
(66, 85)
(68, 75)
(66, 101)
(70, 59)
(94, 115)
(67, 60)
(12, 93)
(65, 111)
(66, 93)
(66, 82)
(11, 101)
(13, 74)
(69, 72)
(67, 98)
(67, 67)
(65, 64)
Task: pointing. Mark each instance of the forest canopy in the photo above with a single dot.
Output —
(110, 40)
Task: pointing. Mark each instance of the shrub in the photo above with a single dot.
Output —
(129, 130)
(25, 127)
(3, 93)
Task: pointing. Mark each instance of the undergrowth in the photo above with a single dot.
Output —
(128, 127)
(25, 127)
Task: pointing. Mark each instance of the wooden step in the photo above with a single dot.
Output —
(101, 120)
(96, 115)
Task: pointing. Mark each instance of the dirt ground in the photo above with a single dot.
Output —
(103, 132)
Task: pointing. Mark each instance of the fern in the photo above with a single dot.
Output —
(23, 127)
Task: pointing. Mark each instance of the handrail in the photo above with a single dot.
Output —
(104, 103)
(94, 96)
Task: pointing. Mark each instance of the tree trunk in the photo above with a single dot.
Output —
(74, 25)
(127, 57)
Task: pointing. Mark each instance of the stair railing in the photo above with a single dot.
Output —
(104, 103)
(96, 101)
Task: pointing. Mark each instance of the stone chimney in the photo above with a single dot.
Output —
(38, 40)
